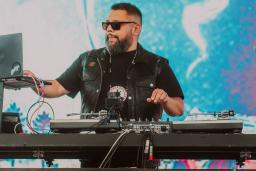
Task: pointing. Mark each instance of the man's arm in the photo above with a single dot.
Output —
(168, 92)
(171, 105)
(54, 90)
(50, 91)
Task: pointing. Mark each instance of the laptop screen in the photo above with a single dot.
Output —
(11, 59)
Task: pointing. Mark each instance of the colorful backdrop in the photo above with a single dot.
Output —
(210, 44)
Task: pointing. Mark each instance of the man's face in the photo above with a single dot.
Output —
(118, 40)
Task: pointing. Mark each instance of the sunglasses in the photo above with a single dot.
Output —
(115, 25)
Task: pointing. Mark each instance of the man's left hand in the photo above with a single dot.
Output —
(158, 96)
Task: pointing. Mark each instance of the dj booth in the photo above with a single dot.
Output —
(93, 147)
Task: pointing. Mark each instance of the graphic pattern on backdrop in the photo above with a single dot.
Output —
(212, 55)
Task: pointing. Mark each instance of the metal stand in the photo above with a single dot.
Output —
(1, 102)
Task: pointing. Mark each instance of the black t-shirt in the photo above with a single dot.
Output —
(71, 79)
(114, 78)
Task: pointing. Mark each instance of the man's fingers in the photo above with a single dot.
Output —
(163, 98)
(29, 73)
(159, 93)
(153, 96)
(158, 96)
(149, 100)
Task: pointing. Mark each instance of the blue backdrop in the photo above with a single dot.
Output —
(210, 45)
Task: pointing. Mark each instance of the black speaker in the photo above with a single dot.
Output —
(11, 123)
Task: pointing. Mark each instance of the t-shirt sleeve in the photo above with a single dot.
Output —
(168, 81)
(70, 79)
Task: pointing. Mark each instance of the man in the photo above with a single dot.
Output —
(144, 80)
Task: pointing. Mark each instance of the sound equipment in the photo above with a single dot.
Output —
(195, 126)
(78, 125)
(11, 123)
(208, 126)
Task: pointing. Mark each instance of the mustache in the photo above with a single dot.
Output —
(111, 35)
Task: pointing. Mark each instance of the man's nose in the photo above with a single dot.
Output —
(109, 28)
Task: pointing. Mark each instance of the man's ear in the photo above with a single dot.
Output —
(137, 30)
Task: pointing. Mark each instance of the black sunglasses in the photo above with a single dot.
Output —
(115, 25)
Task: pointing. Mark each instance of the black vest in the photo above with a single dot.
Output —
(141, 81)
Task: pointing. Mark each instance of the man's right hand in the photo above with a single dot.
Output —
(50, 91)
(29, 73)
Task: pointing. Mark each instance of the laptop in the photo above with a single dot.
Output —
(11, 63)
(11, 59)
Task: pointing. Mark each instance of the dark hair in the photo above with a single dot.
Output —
(129, 8)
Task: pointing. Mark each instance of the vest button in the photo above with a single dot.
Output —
(97, 91)
(151, 85)
(129, 97)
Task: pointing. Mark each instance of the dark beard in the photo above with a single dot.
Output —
(118, 47)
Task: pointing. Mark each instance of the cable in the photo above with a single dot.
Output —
(27, 118)
(96, 125)
(140, 151)
(151, 147)
(38, 92)
(111, 153)
(36, 111)
(35, 79)
(41, 93)
(114, 150)
(146, 148)
(105, 161)
(103, 120)
(15, 127)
